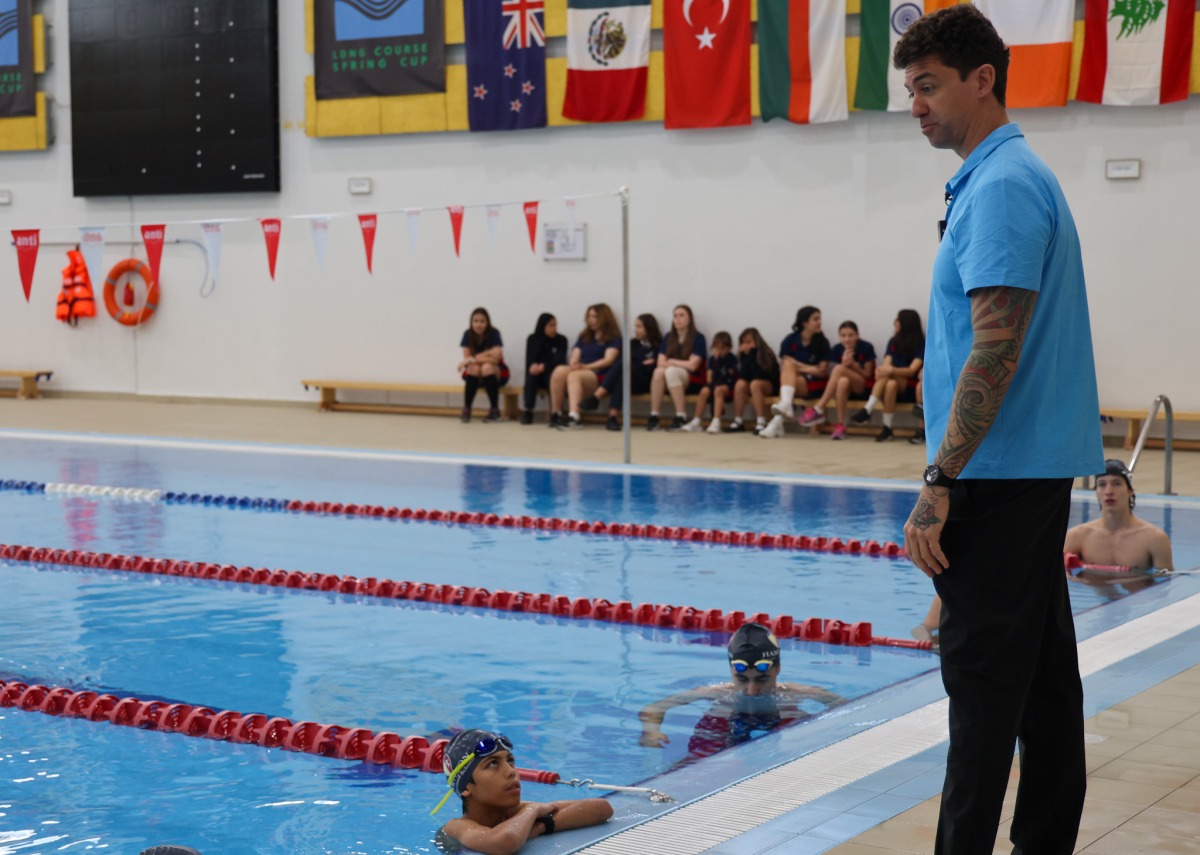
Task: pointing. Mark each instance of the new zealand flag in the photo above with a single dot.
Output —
(506, 64)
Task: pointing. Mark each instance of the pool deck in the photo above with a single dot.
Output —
(1144, 727)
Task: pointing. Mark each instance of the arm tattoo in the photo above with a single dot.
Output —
(999, 317)
(923, 515)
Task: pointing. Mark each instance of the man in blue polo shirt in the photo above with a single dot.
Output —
(1012, 416)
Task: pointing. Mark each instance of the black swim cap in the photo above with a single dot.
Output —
(1113, 466)
(481, 743)
(752, 643)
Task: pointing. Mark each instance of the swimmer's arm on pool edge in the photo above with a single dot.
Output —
(653, 714)
(511, 834)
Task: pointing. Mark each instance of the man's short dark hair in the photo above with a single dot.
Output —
(960, 37)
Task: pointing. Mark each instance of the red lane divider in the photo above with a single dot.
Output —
(324, 740)
(581, 608)
(653, 532)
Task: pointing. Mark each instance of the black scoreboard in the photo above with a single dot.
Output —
(174, 97)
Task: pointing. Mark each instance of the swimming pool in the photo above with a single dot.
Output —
(566, 691)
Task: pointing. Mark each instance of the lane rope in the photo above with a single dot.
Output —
(858, 634)
(797, 542)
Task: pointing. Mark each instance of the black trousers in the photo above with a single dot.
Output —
(1010, 668)
(534, 382)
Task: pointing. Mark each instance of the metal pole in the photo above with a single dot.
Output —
(626, 329)
(1168, 443)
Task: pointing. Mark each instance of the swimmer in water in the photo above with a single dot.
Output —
(481, 770)
(755, 700)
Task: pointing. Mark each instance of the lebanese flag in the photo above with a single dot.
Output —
(802, 60)
(1039, 35)
(706, 63)
(883, 22)
(1136, 55)
(608, 60)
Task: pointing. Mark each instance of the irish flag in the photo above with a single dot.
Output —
(1039, 35)
(802, 60)
(608, 60)
(1136, 52)
(881, 87)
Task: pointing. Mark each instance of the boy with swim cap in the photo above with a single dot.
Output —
(1118, 538)
(755, 700)
(480, 768)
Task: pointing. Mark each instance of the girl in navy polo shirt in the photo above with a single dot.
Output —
(597, 349)
(803, 359)
(680, 367)
(482, 364)
(896, 378)
(758, 375)
(853, 361)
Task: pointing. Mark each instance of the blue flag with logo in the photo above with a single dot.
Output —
(506, 64)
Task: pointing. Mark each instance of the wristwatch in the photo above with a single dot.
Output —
(935, 477)
(548, 821)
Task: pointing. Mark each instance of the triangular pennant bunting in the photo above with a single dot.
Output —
(531, 211)
(320, 238)
(368, 224)
(569, 201)
(153, 237)
(27, 242)
(493, 220)
(213, 238)
(412, 217)
(271, 228)
(456, 218)
(91, 246)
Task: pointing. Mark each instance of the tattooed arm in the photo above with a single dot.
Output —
(999, 318)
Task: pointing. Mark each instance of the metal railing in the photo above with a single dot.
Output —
(1165, 403)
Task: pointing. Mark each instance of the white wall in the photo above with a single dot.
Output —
(745, 225)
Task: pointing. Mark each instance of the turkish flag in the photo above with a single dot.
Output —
(706, 58)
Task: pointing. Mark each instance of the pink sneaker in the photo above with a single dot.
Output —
(810, 417)
(839, 432)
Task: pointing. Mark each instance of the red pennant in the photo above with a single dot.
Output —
(271, 228)
(456, 217)
(368, 223)
(153, 237)
(27, 242)
(531, 209)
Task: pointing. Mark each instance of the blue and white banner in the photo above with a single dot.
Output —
(506, 64)
(367, 48)
(17, 92)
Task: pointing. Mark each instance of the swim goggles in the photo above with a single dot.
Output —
(762, 666)
(485, 747)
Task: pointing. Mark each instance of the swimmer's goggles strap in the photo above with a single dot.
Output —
(462, 764)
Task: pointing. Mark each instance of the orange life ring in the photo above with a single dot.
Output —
(130, 319)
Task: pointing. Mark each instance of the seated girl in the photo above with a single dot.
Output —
(758, 377)
(545, 350)
(595, 351)
(803, 359)
(722, 377)
(853, 361)
(680, 369)
(481, 770)
(644, 349)
(482, 364)
(896, 378)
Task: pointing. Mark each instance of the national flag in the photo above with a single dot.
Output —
(881, 87)
(506, 64)
(1136, 52)
(1039, 35)
(706, 63)
(608, 60)
(802, 60)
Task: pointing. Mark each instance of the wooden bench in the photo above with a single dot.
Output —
(28, 387)
(1134, 429)
(329, 401)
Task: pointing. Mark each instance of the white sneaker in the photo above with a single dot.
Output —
(693, 426)
(714, 426)
(779, 409)
(773, 430)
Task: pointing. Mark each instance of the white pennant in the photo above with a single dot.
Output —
(570, 203)
(493, 219)
(320, 237)
(214, 235)
(91, 245)
(413, 217)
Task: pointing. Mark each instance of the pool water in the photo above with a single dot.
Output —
(566, 691)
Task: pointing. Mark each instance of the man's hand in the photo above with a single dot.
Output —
(653, 739)
(923, 531)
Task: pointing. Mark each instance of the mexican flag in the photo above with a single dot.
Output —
(802, 60)
(608, 60)
(881, 87)
(1039, 35)
(1136, 52)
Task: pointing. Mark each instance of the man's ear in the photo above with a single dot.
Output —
(984, 79)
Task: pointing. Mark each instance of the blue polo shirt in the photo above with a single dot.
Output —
(1008, 224)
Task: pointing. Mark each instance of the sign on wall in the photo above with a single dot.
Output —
(367, 48)
(17, 93)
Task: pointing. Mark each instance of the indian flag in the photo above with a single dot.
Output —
(1136, 52)
(802, 60)
(881, 87)
(608, 60)
(1039, 35)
